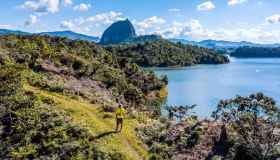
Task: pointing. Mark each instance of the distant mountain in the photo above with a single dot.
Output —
(118, 32)
(71, 35)
(221, 44)
(7, 32)
(68, 34)
(184, 41)
(230, 44)
(224, 44)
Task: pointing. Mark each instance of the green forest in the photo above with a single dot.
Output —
(58, 98)
(256, 52)
(162, 53)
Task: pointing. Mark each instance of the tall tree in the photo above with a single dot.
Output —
(255, 119)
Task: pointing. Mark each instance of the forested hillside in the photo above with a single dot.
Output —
(51, 86)
(162, 53)
(84, 68)
(256, 52)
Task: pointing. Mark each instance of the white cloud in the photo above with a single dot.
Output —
(5, 26)
(68, 2)
(32, 20)
(236, 2)
(174, 31)
(151, 25)
(75, 27)
(191, 29)
(206, 6)
(254, 34)
(151, 22)
(82, 7)
(105, 18)
(69, 25)
(174, 10)
(273, 19)
(42, 5)
(93, 25)
(194, 30)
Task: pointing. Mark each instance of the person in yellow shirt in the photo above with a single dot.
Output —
(120, 113)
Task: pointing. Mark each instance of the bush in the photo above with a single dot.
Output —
(156, 157)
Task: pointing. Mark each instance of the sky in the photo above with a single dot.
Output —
(234, 20)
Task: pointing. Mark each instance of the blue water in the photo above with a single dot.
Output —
(205, 85)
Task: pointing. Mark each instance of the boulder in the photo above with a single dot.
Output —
(118, 32)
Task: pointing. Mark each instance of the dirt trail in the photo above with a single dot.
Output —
(135, 152)
(90, 116)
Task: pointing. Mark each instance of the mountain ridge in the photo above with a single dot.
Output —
(72, 35)
(17, 32)
(67, 33)
(210, 43)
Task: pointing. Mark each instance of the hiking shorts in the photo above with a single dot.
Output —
(119, 120)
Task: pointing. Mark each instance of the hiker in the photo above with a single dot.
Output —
(120, 112)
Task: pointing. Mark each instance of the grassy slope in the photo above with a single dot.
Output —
(91, 116)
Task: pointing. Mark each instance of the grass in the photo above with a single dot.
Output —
(91, 116)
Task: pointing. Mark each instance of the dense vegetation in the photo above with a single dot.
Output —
(162, 53)
(80, 68)
(33, 126)
(256, 52)
(244, 128)
(142, 39)
(255, 119)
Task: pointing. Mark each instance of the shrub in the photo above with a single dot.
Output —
(256, 120)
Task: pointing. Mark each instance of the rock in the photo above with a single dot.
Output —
(119, 31)
(48, 66)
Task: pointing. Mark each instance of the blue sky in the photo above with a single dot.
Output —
(235, 20)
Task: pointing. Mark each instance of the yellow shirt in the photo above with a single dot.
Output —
(120, 112)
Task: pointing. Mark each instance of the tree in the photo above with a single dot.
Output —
(179, 112)
(255, 119)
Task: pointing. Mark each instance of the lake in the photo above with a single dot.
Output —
(205, 85)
